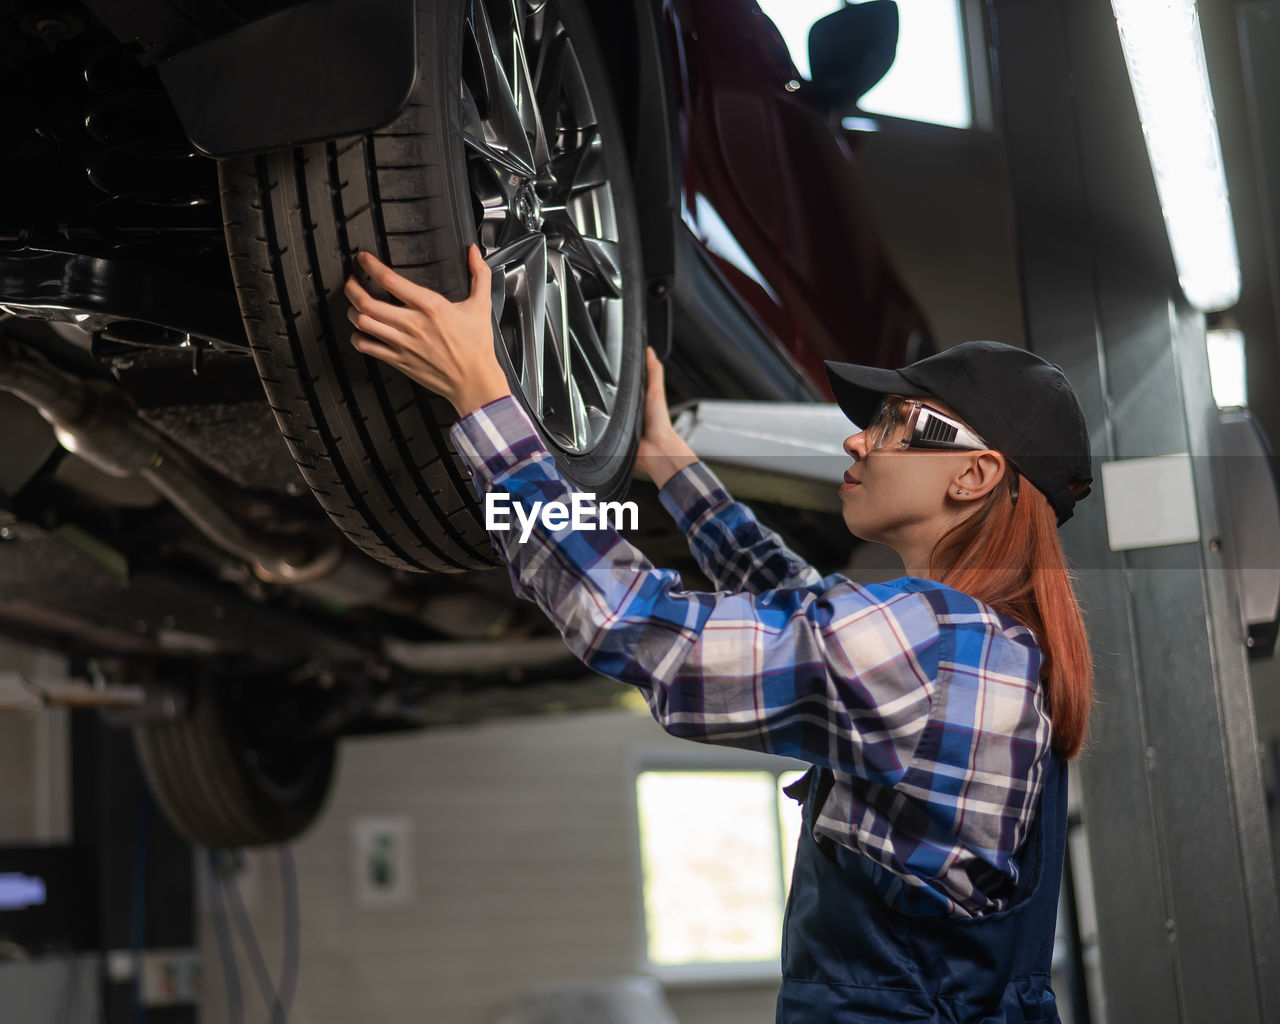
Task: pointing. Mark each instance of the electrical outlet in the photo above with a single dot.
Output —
(382, 861)
(171, 977)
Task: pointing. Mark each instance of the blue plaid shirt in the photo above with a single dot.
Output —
(923, 702)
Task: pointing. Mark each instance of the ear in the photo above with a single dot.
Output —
(977, 476)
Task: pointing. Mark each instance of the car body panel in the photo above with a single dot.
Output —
(770, 188)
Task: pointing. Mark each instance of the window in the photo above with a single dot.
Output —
(794, 18)
(929, 79)
(716, 853)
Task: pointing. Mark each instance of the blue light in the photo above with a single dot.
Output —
(18, 891)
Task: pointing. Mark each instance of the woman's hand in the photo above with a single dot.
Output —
(444, 346)
(662, 452)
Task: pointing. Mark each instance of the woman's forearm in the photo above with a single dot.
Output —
(673, 455)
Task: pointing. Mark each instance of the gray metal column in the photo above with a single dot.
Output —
(1189, 928)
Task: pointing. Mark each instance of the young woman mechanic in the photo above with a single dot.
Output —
(938, 710)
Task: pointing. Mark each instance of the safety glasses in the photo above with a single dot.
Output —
(901, 423)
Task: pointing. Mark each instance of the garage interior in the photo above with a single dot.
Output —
(496, 872)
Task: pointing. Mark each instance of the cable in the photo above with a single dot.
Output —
(249, 941)
(278, 1000)
(138, 895)
(292, 930)
(226, 951)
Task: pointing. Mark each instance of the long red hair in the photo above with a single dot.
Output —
(1007, 555)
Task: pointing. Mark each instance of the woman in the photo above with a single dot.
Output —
(937, 710)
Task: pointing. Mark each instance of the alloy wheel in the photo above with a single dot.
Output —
(545, 215)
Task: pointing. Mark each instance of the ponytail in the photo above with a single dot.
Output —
(1007, 555)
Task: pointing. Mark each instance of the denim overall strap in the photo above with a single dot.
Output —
(849, 957)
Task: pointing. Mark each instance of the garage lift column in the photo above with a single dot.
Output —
(1173, 800)
(144, 880)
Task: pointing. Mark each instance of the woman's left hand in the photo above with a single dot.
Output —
(445, 346)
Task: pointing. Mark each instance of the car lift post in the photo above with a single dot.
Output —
(1171, 786)
(144, 873)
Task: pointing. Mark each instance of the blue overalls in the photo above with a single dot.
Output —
(848, 957)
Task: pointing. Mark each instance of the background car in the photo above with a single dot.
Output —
(257, 540)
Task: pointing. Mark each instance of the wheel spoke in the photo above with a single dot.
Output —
(548, 81)
(596, 259)
(498, 292)
(496, 132)
(494, 196)
(578, 415)
(522, 87)
(561, 405)
(480, 136)
(589, 361)
(548, 35)
(578, 169)
(520, 270)
(563, 95)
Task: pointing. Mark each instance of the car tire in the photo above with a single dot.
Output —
(372, 445)
(220, 788)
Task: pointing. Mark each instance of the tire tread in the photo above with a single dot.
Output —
(372, 446)
(207, 790)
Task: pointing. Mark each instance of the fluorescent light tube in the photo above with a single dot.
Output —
(1165, 57)
(1227, 370)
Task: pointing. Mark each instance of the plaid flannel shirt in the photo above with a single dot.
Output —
(923, 702)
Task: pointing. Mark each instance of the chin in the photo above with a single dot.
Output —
(859, 531)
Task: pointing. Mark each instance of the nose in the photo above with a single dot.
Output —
(855, 445)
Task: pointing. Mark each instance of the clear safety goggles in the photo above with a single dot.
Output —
(901, 423)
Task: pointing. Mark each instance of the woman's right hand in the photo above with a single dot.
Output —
(662, 452)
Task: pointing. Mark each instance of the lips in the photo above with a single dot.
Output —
(849, 478)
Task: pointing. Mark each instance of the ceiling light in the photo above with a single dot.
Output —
(1165, 57)
(1227, 367)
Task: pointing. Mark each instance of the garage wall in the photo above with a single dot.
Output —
(943, 204)
(18, 769)
(34, 759)
(525, 873)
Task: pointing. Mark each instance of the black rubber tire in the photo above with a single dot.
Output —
(209, 780)
(372, 445)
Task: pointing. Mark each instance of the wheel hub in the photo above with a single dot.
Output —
(528, 208)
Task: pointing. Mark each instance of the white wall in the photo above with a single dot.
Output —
(526, 873)
(35, 808)
(61, 989)
(18, 769)
(34, 755)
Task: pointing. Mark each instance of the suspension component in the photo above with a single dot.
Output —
(157, 187)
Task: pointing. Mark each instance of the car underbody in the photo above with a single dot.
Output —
(249, 540)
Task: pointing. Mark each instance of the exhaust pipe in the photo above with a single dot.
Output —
(95, 421)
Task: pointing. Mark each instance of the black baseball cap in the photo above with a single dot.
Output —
(1021, 405)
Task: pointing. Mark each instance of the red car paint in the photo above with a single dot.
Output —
(771, 190)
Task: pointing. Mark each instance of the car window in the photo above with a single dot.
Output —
(929, 79)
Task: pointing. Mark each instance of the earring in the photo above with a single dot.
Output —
(965, 493)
